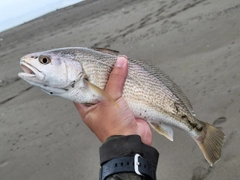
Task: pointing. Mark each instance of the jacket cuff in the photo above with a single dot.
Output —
(119, 146)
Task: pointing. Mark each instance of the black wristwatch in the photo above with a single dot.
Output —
(127, 154)
(137, 164)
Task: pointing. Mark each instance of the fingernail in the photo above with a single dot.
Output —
(120, 62)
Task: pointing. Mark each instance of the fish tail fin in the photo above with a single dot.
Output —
(211, 143)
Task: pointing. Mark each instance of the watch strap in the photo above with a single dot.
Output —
(128, 164)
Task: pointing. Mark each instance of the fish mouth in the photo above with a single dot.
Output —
(36, 78)
(30, 72)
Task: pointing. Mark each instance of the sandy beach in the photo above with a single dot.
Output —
(195, 42)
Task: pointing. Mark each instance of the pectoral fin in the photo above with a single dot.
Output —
(163, 130)
(99, 93)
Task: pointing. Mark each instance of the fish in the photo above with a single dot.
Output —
(80, 74)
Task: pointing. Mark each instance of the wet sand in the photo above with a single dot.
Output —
(196, 43)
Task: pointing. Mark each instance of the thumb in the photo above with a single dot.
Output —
(117, 78)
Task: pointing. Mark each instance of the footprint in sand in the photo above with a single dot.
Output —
(3, 163)
(219, 121)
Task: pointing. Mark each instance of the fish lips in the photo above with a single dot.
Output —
(30, 73)
(35, 77)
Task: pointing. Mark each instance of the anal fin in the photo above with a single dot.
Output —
(163, 130)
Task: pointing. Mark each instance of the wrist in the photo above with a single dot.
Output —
(106, 136)
(118, 145)
(120, 150)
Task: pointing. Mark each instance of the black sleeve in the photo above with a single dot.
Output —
(122, 146)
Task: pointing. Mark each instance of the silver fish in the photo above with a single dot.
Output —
(80, 75)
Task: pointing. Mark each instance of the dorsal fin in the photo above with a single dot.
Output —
(105, 50)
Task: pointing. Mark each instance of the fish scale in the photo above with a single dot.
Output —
(150, 94)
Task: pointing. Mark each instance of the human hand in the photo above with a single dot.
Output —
(106, 119)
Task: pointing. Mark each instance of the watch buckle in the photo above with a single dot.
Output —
(137, 164)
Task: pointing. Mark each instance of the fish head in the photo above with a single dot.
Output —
(54, 73)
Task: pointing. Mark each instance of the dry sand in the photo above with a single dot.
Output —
(195, 42)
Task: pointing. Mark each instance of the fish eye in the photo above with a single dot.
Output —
(44, 60)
